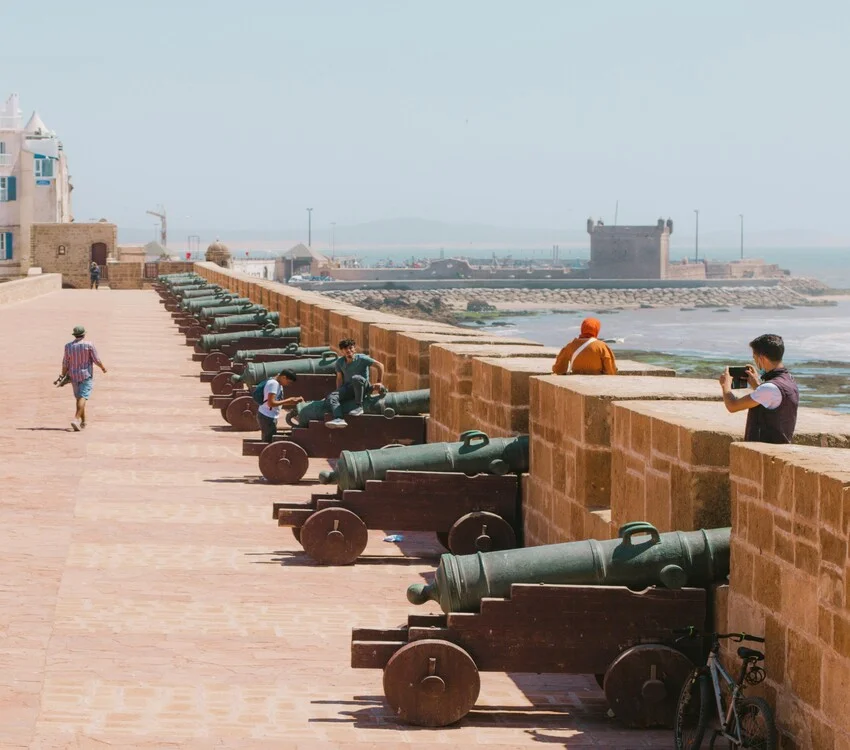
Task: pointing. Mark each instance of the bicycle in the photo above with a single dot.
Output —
(743, 722)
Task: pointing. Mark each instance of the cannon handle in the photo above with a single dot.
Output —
(327, 357)
(467, 437)
(638, 527)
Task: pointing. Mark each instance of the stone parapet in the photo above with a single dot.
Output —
(670, 461)
(383, 344)
(501, 389)
(414, 352)
(569, 495)
(789, 582)
(124, 275)
(452, 381)
(29, 287)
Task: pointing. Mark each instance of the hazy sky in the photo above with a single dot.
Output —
(536, 113)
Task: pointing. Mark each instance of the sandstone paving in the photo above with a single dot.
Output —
(148, 599)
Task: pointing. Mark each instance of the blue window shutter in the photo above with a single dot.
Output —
(11, 186)
(8, 246)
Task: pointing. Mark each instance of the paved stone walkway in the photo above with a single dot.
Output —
(148, 600)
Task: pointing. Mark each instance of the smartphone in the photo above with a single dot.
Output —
(739, 376)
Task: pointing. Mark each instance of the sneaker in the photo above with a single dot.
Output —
(356, 411)
(75, 425)
(83, 425)
(336, 424)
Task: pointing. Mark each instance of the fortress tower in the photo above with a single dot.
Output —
(621, 252)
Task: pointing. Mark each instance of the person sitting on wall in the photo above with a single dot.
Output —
(773, 403)
(94, 275)
(352, 382)
(273, 400)
(586, 355)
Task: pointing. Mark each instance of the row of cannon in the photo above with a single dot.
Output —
(602, 607)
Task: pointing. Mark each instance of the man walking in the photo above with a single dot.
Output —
(772, 405)
(77, 363)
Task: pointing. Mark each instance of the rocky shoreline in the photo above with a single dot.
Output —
(458, 305)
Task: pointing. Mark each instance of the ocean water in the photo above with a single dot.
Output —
(702, 342)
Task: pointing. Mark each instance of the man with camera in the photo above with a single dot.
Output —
(77, 364)
(772, 405)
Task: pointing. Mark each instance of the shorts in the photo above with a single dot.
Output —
(83, 388)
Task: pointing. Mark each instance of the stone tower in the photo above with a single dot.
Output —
(219, 253)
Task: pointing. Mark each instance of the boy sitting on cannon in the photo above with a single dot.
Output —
(352, 382)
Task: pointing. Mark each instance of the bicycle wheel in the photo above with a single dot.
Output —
(692, 711)
(758, 727)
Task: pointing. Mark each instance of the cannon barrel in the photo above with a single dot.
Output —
(476, 453)
(210, 341)
(210, 313)
(170, 278)
(185, 283)
(195, 306)
(259, 317)
(207, 291)
(388, 404)
(257, 372)
(673, 559)
(291, 350)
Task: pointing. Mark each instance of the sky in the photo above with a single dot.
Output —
(517, 114)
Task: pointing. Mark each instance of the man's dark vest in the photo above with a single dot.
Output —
(775, 425)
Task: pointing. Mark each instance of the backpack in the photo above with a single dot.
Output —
(258, 392)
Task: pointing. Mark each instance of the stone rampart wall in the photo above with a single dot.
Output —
(790, 582)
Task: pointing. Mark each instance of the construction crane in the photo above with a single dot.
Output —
(163, 229)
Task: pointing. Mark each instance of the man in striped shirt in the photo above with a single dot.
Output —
(77, 364)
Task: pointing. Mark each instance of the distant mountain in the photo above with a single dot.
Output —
(413, 233)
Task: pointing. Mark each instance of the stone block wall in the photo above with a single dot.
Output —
(670, 466)
(790, 582)
(452, 381)
(124, 275)
(569, 494)
(66, 248)
(414, 352)
(501, 390)
(383, 344)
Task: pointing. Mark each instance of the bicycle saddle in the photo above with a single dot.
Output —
(750, 653)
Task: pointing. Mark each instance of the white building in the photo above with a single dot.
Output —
(34, 184)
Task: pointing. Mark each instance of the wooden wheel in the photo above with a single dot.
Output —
(221, 384)
(296, 532)
(214, 362)
(242, 414)
(194, 333)
(431, 683)
(643, 683)
(480, 531)
(334, 536)
(224, 414)
(283, 462)
(443, 538)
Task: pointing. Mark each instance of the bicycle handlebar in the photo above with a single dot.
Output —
(692, 632)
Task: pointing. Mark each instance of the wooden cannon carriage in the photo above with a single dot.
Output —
(623, 637)
(468, 513)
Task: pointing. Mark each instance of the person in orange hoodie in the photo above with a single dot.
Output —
(586, 355)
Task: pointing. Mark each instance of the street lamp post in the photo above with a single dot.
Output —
(696, 237)
(741, 217)
(309, 227)
(333, 239)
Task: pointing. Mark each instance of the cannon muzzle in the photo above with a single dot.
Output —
(641, 557)
(257, 372)
(476, 453)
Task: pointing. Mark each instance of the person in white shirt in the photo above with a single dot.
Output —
(273, 400)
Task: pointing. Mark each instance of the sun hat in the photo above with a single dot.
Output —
(79, 331)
